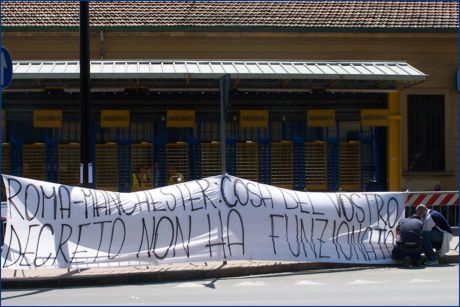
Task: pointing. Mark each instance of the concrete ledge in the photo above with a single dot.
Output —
(114, 277)
(103, 277)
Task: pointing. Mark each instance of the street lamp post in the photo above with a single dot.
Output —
(85, 110)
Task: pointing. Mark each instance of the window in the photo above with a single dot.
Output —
(426, 132)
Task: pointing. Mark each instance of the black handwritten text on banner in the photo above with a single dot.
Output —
(216, 218)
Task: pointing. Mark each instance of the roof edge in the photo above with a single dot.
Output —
(228, 29)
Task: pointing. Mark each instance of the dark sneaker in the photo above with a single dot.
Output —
(407, 262)
(416, 263)
(432, 263)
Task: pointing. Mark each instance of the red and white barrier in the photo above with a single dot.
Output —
(444, 198)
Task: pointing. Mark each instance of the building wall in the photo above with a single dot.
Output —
(433, 53)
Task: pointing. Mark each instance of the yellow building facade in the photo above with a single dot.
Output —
(401, 160)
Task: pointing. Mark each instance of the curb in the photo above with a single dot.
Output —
(164, 276)
(184, 275)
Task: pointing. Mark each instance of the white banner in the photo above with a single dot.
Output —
(216, 218)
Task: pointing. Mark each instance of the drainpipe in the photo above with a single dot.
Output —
(101, 44)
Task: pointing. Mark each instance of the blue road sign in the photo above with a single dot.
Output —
(6, 66)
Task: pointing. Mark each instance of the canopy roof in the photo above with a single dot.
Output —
(205, 73)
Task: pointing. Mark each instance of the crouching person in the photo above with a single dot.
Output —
(409, 241)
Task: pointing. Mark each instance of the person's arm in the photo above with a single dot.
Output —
(441, 221)
(398, 229)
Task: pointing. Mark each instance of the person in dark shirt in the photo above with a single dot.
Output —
(435, 226)
(409, 243)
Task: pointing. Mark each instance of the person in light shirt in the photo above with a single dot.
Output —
(140, 179)
(175, 176)
(436, 233)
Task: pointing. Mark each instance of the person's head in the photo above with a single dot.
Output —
(421, 210)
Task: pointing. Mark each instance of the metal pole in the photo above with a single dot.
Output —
(224, 93)
(85, 110)
(1, 135)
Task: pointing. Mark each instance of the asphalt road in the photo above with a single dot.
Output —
(374, 286)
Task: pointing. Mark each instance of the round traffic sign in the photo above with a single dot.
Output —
(6, 66)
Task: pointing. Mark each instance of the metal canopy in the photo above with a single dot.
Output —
(216, 69)
(203, 74)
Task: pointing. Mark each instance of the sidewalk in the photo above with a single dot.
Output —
(41, 278)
